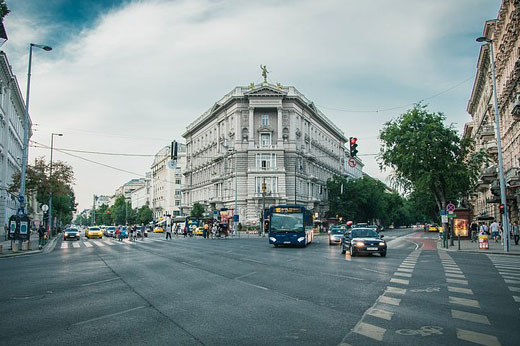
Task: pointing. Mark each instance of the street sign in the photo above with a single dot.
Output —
(450, 207)
(452, 215)
(444, 218)
(443, 212)
(45, 207)
(352, 162)
(20, 199)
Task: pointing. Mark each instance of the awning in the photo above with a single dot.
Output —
(485, 218)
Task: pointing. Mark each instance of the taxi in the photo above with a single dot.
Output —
(158, 229)
(433, 228)
(94, 232)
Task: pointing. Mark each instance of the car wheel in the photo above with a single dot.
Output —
(275, 245)
(342, 249)
(352, 252)
(383, 254)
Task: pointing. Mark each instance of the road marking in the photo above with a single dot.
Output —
(245, 275)
(409, 262)
(450, 270)
(456, 281)
(407, 266)
(386, 315)
(98, 243)
(396, 290)
(343, 276)
(464, 301)
(76, 245)
(510, 277)
(468, 316)
(261, 287)
(87, 244)
(514, 289)
(405, 270)
(517, 299)
(252, 260)
(400, 281)
(477, 338)
(406, 275)
(370, 331)
(456, 276)
(451, 267)
(509, 273)
(389, 300)
(64, 245)
(512, 281)
(460, 290)
(100, 282)
(371, 270)
(110, 315)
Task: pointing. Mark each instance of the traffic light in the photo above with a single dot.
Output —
(502, 208)
(353, 146)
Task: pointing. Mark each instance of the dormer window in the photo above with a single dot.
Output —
(265, 120)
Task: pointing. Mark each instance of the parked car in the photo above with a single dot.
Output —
(71, 233)
(363, 240)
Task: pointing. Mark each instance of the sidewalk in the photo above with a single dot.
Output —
(33, 246)
(494, 248)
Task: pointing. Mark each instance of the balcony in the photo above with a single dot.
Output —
(489, 174)
(491, 148)
(515, 112)
(482, 186)
(512, 176)
(487, 133)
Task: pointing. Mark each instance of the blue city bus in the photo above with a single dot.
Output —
(289, 225)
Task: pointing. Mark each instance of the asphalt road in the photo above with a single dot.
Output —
(241, 291)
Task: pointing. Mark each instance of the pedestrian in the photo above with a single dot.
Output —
(118, 233)
(494, 230)
(185, 232)
(205, 230)
(516, 235)
(474, 231)
(41, 236)
(214, 230)
(168, 232)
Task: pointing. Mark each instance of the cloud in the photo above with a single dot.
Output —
(146, 69)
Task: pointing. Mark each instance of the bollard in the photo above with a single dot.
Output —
(15, 246)
(25, 246)
(1, 248)
(459, 240)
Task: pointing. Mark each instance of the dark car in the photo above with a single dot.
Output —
(71, 233)
(363, 240)
(335, 234)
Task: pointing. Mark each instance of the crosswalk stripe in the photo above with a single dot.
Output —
(456, 281)
(64, 245)
(98, 243)
(509, 273)
(468, 316)
(76, 245)
(396, 290)
(464, 301)
(511, 281)
(386, 315)
(517, 299)
(477, 338)
(389, 300)
(460, 290)
(514, 289)
(405, 270)
(370, 331)
(507, 267)
(456, 276)
(510, 277)
(406, 275)
(400, 281)
(87, 244)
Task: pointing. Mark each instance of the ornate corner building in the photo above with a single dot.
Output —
(504, 33)
(263, 143)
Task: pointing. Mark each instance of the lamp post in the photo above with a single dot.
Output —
(235, 213)
(503, 200)
(50, 182)
(21, 195)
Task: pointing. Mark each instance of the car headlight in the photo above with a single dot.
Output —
(382, 243)
(301, 239)
(360, 243)
(66, 234)
(273, 239)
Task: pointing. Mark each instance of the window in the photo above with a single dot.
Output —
(265, 120)
(266, 161)
(265, 139)
(177, 192)
(177, 202)
(177, 181)
(271, 184)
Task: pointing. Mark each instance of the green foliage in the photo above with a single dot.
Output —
(144, 215)
(104, 215)
(429, 157)
(4, 11)
(197, 210)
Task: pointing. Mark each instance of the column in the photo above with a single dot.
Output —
(251, 127)
(280, 132)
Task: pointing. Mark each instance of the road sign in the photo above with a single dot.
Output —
(45, 207)
(450, 207)
(444, 218)
(452, 215)
(21, 199)
(352, 162)
(443, 212)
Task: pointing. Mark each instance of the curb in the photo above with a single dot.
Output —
(48, 248)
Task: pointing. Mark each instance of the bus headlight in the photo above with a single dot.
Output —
(301, 239)
(273, 239)
(360, 244)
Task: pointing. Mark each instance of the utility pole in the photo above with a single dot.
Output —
(235, 214)
(264, 188)
(94, 210)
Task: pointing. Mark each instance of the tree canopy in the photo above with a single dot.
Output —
(197, 210)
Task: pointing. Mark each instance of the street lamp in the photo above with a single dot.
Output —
(21, 195)
(503, 200)
(50, 182)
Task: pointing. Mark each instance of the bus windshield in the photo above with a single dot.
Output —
(287, 222)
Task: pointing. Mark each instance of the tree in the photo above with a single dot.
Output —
(4, 11)
(197, 210)
(144, 215)
(429, 157)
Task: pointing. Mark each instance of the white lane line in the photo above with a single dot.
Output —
(64, 245)
(460, 290)
(406, 275)
(370, 331)
(396, 290)
(464, 301)
(456, 281)
(76, 245)
(468, 316)
(400, 281)
(261, 287)
(514, 289)
(517, 299)
(100, 282)
(87, 244)
(371, 270)
(252, 260)
(386, 315)
(512, 281)
(405, 270)
(344, 276)
(456, 276)
(110, 315)
(245, 275)
(389, 300)
(477, 338)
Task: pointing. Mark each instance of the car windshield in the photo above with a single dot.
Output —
(364, 232)
(337, 231)
(287, 222)
(111, 228)
(71, 230)
(94, 228)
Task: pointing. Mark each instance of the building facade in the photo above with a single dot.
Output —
(12, 118)
(166, 196)
(506, 45)
(127, 189)
(263, 135)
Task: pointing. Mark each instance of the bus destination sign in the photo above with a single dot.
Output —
(287, 210)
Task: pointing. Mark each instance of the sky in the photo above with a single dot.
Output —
(128, 76)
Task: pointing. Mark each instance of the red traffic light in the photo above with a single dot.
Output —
(108, 211)
(353, 140)
(502, 208)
